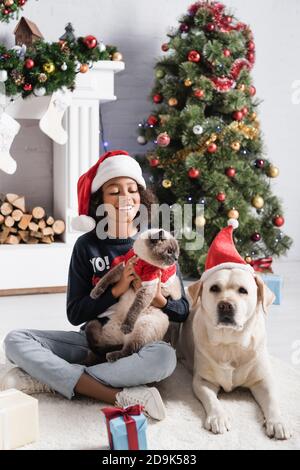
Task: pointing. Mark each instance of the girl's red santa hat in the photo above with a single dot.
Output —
(223, 254)
(112, 164)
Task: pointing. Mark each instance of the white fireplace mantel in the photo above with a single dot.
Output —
(43, 268)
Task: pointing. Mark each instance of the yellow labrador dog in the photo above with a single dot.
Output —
(223, 342)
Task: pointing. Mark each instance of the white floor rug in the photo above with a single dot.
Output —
(79, 424)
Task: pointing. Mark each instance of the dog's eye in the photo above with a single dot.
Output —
(242, 290)
(215, 288)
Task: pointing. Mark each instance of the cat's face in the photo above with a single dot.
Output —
(162, 250)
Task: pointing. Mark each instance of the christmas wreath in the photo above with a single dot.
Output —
(44, 68)
(9, 9)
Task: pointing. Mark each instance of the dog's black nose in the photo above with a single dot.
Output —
(225, 312)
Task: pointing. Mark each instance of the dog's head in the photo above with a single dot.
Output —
(230, 297)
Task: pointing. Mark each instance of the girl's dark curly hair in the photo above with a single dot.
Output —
(147, 199)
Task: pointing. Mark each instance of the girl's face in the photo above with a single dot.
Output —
(123, 195)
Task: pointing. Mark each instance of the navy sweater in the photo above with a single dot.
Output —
(91, 259)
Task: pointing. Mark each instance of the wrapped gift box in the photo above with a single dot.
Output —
(274, 283)
(18, 419)
(126, 428)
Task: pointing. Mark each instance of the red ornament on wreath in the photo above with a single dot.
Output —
(163, 139)
(194, 56)
(227, 53)
(221, 197)
(212, 148)
(22, 2)
(199, 93)
(255, 237)
(90, 42)
(157, 98)
(152, 120)
(252, 90)
(245, 110)
(210, 27)
(165, 47)
(193, 173)
(154, 162)
(238, 115)
(278, 221)
(29, 64)
(230, 172)
(184, 28)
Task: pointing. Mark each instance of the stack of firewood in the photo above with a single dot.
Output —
(18, 225)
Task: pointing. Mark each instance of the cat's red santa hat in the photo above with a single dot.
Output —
(223, 254)
(116, 163)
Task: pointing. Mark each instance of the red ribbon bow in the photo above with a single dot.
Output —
(262, 264)
(126, 413)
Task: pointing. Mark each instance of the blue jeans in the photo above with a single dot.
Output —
(55, 357)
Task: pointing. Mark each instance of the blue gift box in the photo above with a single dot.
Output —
(274, 283)
(119, 432)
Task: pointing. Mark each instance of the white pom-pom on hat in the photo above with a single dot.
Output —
(234, 223)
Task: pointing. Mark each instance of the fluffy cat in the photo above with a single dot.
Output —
(140, 324)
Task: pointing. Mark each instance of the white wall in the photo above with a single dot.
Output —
(139, 27)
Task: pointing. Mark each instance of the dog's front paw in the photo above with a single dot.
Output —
(278, 429)
(126, 328)
(113, 356)
(218, 423)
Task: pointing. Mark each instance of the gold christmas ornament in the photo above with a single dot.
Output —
(213, 137)
(167, 184)
(200, 221)
(253, 116)
(257, 202)
(8, 3)
(188, 82)
(117, 56)
(173, 102)
(248, 259)
(233, 214)
(235, 146)
(273, 171)
(84, 68)
(242, 87)
(49, 67)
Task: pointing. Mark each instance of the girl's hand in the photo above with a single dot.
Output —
(159, 300)
(127, 277)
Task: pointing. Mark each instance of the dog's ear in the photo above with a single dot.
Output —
(265, 294)
(195, 291)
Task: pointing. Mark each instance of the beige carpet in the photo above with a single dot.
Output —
(79, 424)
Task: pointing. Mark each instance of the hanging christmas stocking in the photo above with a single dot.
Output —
(51, 122)
(9, 128)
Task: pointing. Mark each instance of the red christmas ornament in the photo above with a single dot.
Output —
(252, 90)
(227, 19)
(230, 172)
(227, 53)
(245, 110)
(278, 221)
(255, 237)
(27, 87)
(152, 120)
(184, 28)
(251, 57)
(165, 47)
(163, 139)
(212, 148)
(193, 173)
(210, 27)
(259, 163)
(157, 98)
(238, 115)
(199, 93)
(194, 56)
(221, 197)
(29, 63)
(22, 2)
(90, 42)
(154, 162)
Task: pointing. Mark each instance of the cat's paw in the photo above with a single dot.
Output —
(126, 328)
(113, 356)
(96, 292)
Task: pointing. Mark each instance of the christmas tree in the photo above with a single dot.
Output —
(208, 147)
